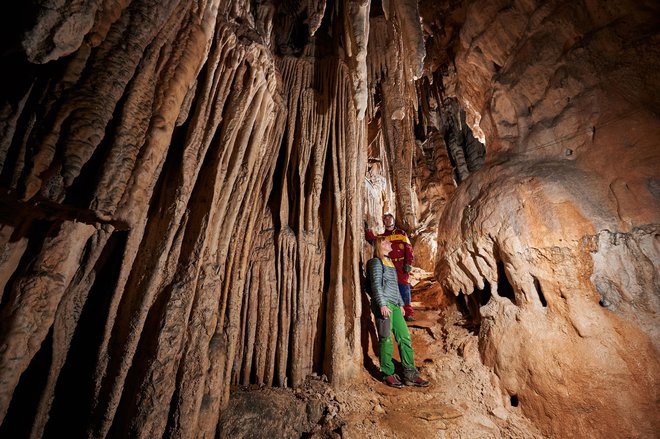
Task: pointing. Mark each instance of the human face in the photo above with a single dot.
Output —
(388, 220)
(387, 247)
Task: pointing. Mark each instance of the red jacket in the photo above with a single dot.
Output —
(402, 252)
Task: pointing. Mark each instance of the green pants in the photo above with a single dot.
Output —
(402, 335)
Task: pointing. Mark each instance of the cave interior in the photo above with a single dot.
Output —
(184, 189)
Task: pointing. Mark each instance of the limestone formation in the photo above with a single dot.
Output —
(183, 187)
(141, 170)
(572, 164)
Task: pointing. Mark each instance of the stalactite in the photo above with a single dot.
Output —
(474, 150)
(405, 15)
(356, 13)
(66, 319)
(379, 61)
(60, 30)
(434, 183)
(57, 364)
(148, 310)
(29, 312)
(312, 127)
(399, 141)
(261, 328)
(455, 137)
(343, 305)
(149, 404)
(137, 308)
(80, 119)
(386, 69)
(457, 153)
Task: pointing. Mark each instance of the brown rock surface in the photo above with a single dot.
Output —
(156, 155)
(183, 187)
(533, 275)
(571, 141)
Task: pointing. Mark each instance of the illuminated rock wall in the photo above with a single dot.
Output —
(555, 239)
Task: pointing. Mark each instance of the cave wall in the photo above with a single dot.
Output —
(180, 199)
(182, 191)
(555, 238)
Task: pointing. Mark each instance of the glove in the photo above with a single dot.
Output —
(407, 268)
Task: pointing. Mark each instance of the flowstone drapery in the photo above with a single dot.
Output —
(185, 207)
(183, 186)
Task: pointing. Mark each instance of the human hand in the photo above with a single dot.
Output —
(385, 311)
(407, 268)
(403, 311)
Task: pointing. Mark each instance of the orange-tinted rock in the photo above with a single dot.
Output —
(182, 194)
(197, 187)
(543, 235)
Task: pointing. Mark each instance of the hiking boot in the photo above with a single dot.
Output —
(411, 378)
(417, 382)
(393, 381)
(409, 318)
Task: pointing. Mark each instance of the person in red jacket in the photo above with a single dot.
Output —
(402, 257)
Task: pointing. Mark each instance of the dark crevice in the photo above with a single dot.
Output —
(376, 9)
(484, 295)
(468, 305)
(504, 288)
(15, 19)
(537, 285)
(25, 400)
(74, 391)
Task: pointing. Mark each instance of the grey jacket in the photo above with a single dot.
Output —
(383, 283)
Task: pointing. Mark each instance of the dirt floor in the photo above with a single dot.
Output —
(463, 400)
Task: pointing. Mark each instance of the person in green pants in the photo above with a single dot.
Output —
(387, 306)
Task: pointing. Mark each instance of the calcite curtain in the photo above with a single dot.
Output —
(180, 211)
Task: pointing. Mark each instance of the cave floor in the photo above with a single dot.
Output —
(463, 400)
